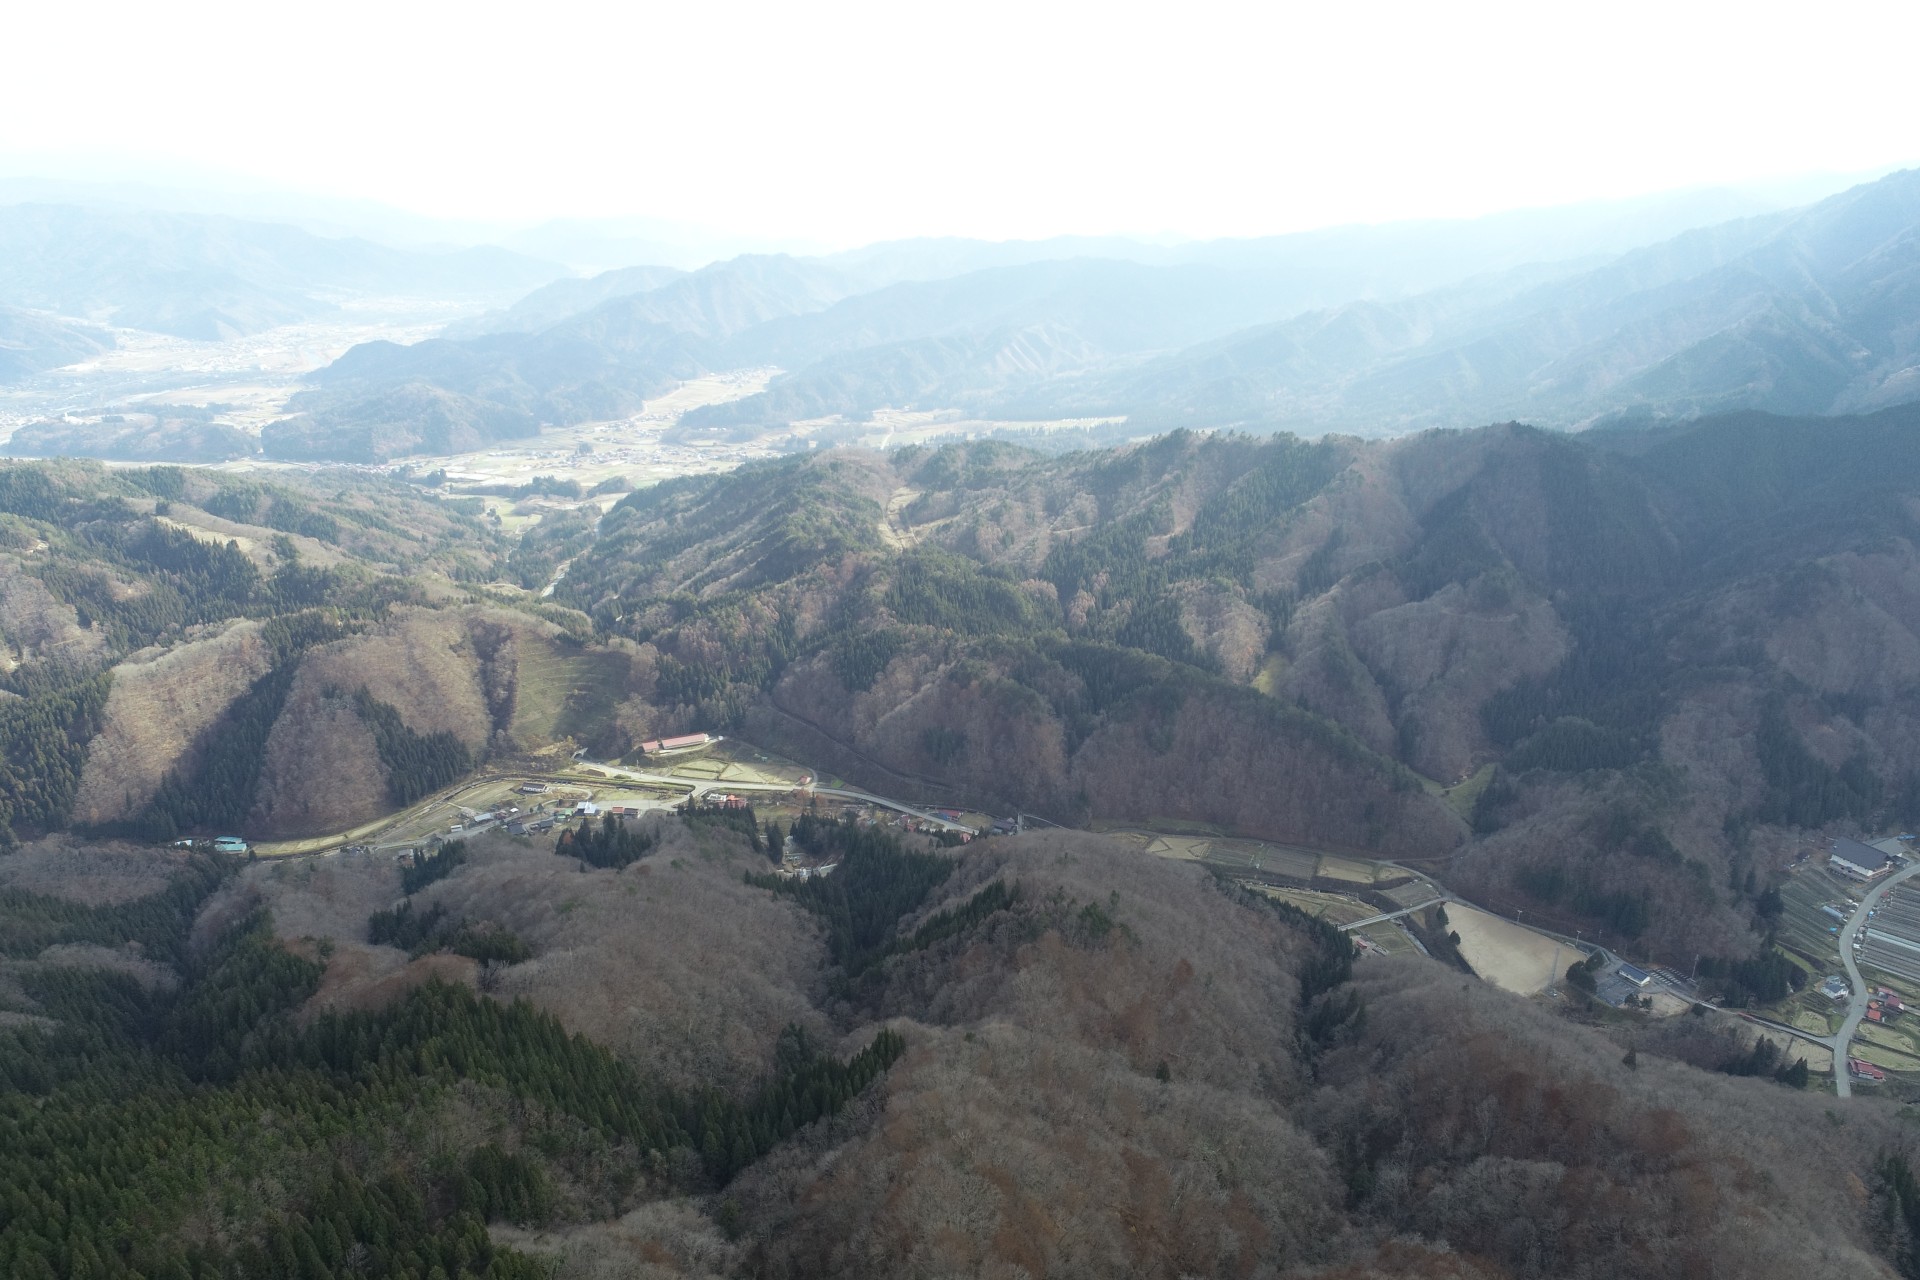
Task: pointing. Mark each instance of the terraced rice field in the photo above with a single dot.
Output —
(565, 694)
(1805, 928)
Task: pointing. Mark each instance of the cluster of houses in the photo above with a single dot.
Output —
(1883, 1006)
(588, 809)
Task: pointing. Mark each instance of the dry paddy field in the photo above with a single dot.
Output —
(1503, 953)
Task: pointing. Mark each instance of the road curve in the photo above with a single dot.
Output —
(1857, 1006)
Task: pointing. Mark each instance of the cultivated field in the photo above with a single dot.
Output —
(564, 693)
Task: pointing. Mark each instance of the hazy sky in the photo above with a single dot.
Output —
(848, 122)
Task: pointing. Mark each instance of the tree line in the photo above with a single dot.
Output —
(875, 882)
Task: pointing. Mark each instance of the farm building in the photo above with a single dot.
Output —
(1851, 858)
(533, 788)
(680, 743)
(1638, 977)
(1861, 1069)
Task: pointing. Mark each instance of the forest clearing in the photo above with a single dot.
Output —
(1510, 956)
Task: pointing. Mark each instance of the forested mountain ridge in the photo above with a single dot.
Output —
(1679, 649)
(189, 653)
(1676, 646)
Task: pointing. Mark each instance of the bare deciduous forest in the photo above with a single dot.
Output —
(1106, 1064)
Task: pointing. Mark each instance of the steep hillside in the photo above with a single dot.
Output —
(162, 708)
(1673, 648)
(184, 652)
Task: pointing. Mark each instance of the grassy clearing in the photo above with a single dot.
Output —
(1462, 797)
(1389, 937)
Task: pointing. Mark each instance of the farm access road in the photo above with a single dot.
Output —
(1857, 1005)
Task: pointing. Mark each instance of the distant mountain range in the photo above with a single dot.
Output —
(1814, 312)
(208, 278)
(1370, 331)
(1558, 317)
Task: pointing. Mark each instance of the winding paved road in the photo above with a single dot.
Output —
(1395, 915)
(1857, 1006)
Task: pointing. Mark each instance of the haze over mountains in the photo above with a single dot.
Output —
(208, 278)
(1369, 331)
(1618, 681)
(1662, 306)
